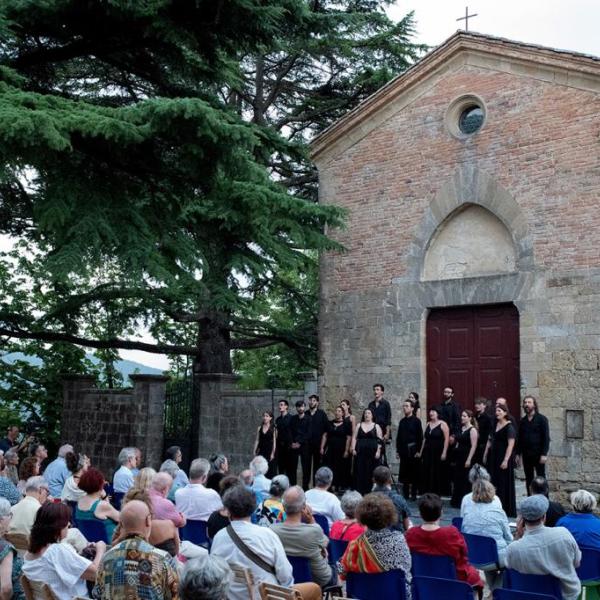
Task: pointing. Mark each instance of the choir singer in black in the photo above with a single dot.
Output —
(408, 444)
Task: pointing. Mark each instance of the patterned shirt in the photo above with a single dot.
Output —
(9, 491)
(17, 565)
(136, 569)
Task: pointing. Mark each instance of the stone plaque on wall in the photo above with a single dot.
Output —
(574, 422)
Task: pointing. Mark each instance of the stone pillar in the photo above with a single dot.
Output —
(149, 393)
(211, 386)
(310, 382)
(74, 387)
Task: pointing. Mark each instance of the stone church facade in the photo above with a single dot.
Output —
(472, 185)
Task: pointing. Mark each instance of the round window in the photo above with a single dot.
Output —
(470, 120)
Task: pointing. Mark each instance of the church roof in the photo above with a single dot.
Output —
(561, 67)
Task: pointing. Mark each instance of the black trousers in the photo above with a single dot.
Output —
(316, 460)
(531, 464)
(283, 460)
(304, 454)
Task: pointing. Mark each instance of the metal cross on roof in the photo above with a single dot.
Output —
(466, 18)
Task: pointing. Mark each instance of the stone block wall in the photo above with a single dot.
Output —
(100, 423)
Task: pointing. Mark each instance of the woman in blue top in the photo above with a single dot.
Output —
(582, 523)
(10, 562)
(93, 506)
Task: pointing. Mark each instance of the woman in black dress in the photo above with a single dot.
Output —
(266, 439)
(466, 445)
(414, 398)
(434, 450)
(501, 445)
(366, 447)
(408, 444)
(350, 420)
(335, 447)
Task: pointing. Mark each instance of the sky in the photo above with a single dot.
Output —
(570, 25)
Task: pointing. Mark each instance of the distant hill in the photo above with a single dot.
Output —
(125, 367)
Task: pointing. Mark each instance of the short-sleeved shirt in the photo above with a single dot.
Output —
(196, 502)
(325, 503)
(163, 509)
(56, 474)
(9, 491)
(17, 565)
(61, 568)
(123, 480)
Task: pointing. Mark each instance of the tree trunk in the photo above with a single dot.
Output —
(213, 344)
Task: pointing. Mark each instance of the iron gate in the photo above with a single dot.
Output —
(182, 414)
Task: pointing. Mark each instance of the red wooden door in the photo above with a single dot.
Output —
(475, 350)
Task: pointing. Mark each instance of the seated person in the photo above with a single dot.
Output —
(219, 467)
(247, 478)
(93, 506)
(476, 472)
(321, 500)
(259, 467)
(77, 464)
(380, 548)
(195, 501)
(382, 478)
(430, 538)
(24, 512)
(271, 510)
(583, 524)
(180, 479)
(539, 485)
(161, 507)
(123, 477)
(57, 564)
(348, 528)
(545, 550)
(10, 561)
(8, 489)
(300, 535)
(57, 472)
(220, 518)
(206, 578)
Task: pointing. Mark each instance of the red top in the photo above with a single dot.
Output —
(342, 531)
(445, 541)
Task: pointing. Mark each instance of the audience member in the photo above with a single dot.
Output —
(539, 485)
(545, 550)
(11, 440)
(10, 561)
(77, 464)
(583, 524)
(25, 511)
(93, 506)
(247, 478)
(29, 467)
(7, 488)
(477, 472)
(430, 538)
(321, 500)
(162, 508)
(39, 452)
(138, 461)
(143, 479)
(57, 472)
(11, 458)
(348, 528)
(57, 564)
(170, 466)
(301, 536)
(380, 548)
(194, 501)
(268, 563)
(219, 467)
(220, 518)
(271, 510)
(134, 568)
(382, 478)
(123, 478)
(206, 578)
(259, 467)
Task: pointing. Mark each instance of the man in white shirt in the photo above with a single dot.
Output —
(194, 501)
(322, 501)
(123, 479)
(25, 511)
(263, 543)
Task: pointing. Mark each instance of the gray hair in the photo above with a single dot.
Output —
(279, 484)
(162, 481)
(239, 501)
(33, 484)
(170, 467)
(11, 453)
(583, 501)
(294, 500)
(4, 507)
(126, 454)
(199, 468)
(64, 450)
(478, 472)
(350, 500)
(259, 465)
(217, 461)
(206, 578)
(323, 477)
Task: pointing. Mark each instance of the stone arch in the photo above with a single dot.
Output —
(471, 242)
(471, 186)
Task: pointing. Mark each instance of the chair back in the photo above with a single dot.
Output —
(589, 569)
(376, 586)
(195, 531)
(117, 499)
(36, 590)
(93, 530)
(502, 594)
(457, 522)
(322, 521)
(270, 591)
(539, 584)
(244, 576)
(434, 588)
(337, 549)
(483, 551)
(19, 540)
(72, 504)
(428, 565)
(301, 568)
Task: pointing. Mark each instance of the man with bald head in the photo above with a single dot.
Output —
(162, 508)
(134, 568)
